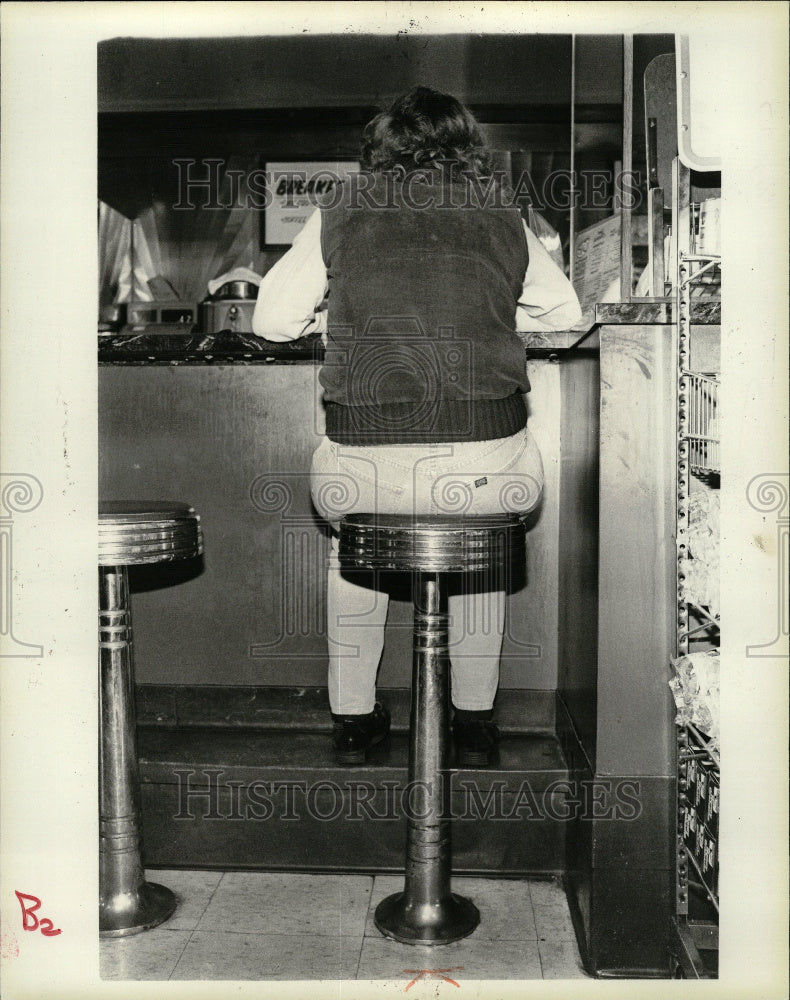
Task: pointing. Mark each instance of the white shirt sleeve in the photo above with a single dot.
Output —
(547, 300)
(291, 291)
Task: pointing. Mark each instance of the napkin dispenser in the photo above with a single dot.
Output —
(164, 316)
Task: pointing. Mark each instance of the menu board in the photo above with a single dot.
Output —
(294, 189)
(596, 260)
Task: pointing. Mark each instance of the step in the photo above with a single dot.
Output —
(269, 798)
(289, 707)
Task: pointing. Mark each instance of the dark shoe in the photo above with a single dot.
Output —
(475, 740)
(354, 735)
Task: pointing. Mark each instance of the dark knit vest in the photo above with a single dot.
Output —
(421, 343)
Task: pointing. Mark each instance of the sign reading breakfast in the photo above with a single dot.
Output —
(295, 189)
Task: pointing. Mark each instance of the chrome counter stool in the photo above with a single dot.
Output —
(427, 911)
(129, 534)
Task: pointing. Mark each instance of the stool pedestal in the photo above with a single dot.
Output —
(128, 535)
(427, 911)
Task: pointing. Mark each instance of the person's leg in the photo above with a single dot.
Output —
(356, 611)
(497, 477)
(477, 624)
(355, 618)
(477, 619)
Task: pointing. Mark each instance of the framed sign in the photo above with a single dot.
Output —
(294, 190)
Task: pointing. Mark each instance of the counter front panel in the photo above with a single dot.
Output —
(235, 441)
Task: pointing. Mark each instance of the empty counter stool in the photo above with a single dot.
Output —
(427, 911)
(129, 534)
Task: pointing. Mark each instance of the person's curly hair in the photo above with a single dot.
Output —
(426, 129)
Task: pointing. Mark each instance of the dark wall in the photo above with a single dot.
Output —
(329, 70)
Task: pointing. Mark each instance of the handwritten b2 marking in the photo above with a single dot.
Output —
(30, 922)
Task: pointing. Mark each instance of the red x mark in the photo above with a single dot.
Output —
(438, 973)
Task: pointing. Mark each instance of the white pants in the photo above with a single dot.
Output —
(478, 477)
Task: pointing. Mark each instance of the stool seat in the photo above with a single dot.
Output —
(433, 543)
(151, 532)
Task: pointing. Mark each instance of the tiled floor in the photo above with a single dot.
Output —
(282, 926)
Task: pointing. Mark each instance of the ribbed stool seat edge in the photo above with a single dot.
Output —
(430, 544)
(147, 532)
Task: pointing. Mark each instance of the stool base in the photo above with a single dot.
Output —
(128, 914)
(448, 920)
